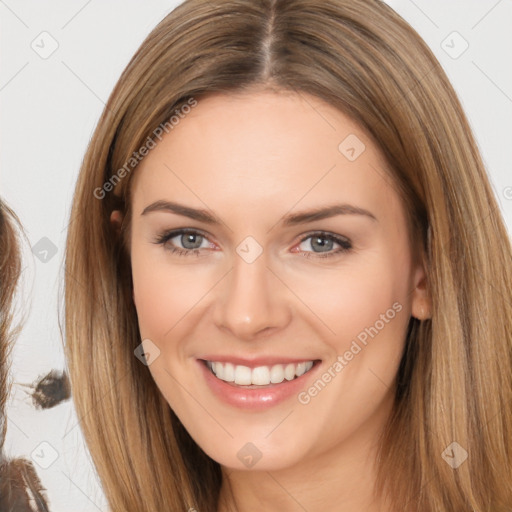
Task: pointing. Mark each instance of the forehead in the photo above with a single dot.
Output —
(265, 149)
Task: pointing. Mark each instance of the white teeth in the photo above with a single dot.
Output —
(218, 368)
(289, 372)
(277, 374)
(229, 372)
(301, 368)
(243, 375)
(259, 376)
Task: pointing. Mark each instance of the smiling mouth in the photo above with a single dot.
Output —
(240, 375)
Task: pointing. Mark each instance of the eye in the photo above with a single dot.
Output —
(322, 245)
(187, 242)
(184, 242)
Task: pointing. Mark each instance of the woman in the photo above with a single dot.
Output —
(225, 363)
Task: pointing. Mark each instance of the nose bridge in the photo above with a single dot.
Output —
(251, 301)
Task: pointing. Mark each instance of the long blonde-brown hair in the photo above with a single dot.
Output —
(455, 380)
(10, 271)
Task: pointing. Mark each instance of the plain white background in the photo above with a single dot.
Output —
(50, 105)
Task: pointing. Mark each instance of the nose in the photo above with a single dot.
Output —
(251, 301)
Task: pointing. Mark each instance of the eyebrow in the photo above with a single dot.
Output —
(292, 219)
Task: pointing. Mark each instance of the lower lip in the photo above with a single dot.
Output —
(259, 398)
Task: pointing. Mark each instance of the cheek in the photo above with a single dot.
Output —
(162, 295)
(353, 297)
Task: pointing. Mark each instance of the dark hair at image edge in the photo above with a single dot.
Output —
(455, 380)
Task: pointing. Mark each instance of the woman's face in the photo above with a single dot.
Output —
(294, 281)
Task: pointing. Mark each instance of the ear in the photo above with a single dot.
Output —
(116, 221)
(421, 301)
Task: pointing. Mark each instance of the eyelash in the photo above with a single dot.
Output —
(344, 243)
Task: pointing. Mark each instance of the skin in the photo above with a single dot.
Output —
(250, 159)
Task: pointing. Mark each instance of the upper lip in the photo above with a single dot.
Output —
(257, 361)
